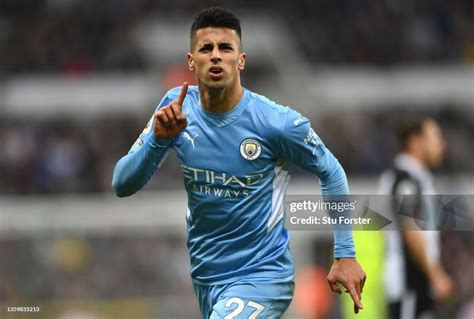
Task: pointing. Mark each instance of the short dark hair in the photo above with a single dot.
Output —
(216, 17)
(409, 127)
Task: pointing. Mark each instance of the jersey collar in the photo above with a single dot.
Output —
(222, 119)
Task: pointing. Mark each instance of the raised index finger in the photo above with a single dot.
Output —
(182, 94)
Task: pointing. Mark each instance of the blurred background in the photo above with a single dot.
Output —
(79, 79)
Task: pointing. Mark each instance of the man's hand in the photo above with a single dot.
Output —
(441, 283)
(169, 121)
(350, 274)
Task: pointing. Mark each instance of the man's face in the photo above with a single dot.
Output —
(432, 143)
(216, 57)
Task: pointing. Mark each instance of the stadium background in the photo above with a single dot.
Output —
(80, 78)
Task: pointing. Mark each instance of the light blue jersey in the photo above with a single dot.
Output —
(236, 168)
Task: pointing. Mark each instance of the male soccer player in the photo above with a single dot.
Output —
(236, 149)
(414, 275)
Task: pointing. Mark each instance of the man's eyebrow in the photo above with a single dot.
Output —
(219, 43)
(205, 44)
(209, 45)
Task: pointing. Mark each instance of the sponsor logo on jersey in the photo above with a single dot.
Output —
(312, 138)
(219, 184)
(250, 149)
(138, 142)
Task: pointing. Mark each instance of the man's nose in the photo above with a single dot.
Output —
(216, 55)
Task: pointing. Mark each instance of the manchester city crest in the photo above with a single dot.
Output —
(250, 149)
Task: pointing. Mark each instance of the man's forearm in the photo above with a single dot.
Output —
(335, 184)
(417, 249)
(134, 170)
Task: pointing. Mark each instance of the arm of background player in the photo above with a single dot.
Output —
(439, 280)
(134, 170)
(417, 248)
(300, 144)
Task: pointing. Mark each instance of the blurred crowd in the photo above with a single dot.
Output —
(82, 37)
(70, 156)
(385, 32)
(93, 267)
(71, 37)
(114, 266)
(64, 155)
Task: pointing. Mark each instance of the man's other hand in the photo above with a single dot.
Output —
(349, 273)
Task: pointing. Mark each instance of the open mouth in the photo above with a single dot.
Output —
(216, 71)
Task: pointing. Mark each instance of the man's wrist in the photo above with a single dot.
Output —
(344, 251)
(159, 142)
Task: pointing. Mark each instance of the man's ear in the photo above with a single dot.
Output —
(242, 58)
(190, 62)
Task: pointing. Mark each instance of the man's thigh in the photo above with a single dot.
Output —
(253, 300)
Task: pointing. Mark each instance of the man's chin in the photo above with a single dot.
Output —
(215, 85)
(435, 164)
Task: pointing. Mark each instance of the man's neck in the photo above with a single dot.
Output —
(220, 100)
